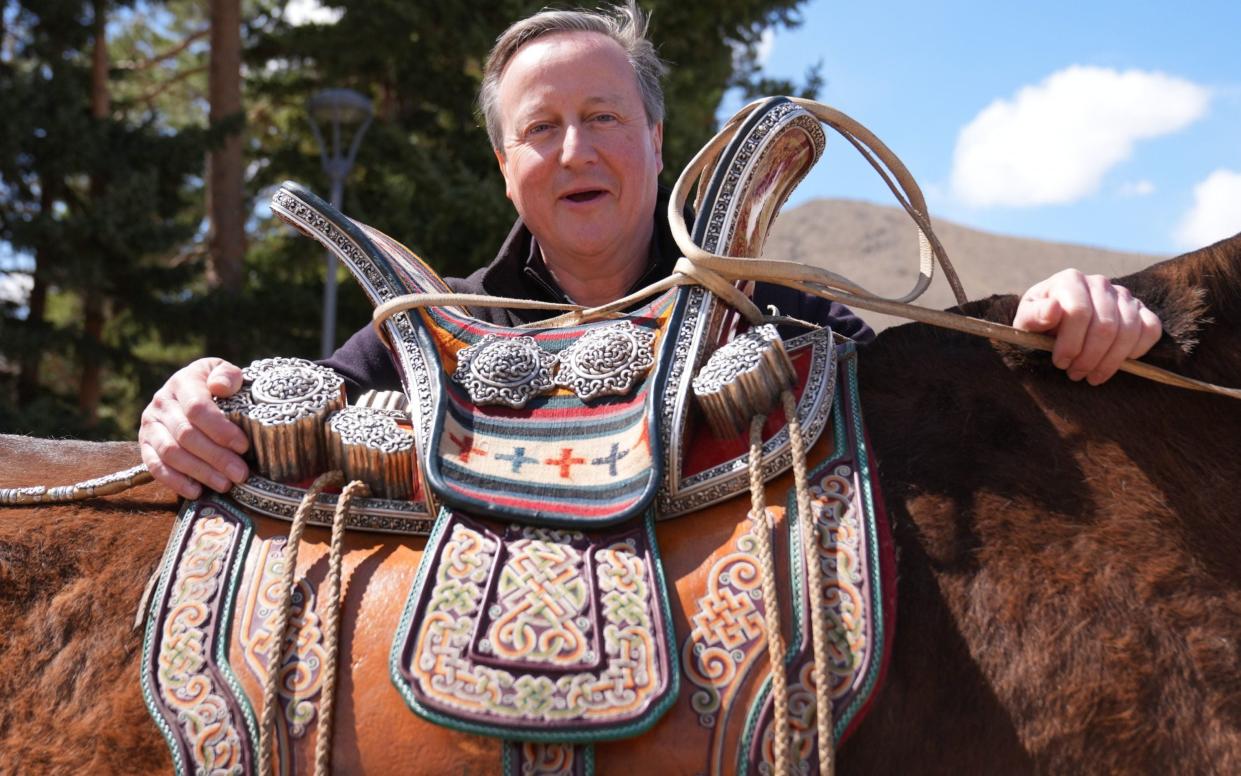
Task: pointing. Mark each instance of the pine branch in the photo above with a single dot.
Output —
(149, 97)
(147, 64)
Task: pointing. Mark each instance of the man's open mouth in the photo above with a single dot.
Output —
(585, 196)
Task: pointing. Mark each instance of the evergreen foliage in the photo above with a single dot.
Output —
(103, 208)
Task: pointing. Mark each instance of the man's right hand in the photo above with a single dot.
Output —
(186, 440)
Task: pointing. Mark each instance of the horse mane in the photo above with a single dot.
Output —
(1198, 297)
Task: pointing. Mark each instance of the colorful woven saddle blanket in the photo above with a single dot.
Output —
(591, 572)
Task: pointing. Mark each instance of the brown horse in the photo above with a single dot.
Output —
(1069, 597)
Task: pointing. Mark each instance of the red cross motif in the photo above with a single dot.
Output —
(645, 439)
(565, 462)
(465, 447)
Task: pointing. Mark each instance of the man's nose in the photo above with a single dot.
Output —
(578, 147)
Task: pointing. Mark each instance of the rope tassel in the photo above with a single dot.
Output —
(814, 581)
(274, 660)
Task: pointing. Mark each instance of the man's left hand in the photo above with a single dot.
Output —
(1097, 324)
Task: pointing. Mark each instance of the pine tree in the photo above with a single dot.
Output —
(133, 244)
(97, 202)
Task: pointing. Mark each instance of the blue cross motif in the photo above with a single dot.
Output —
(517, 459)
(610, 460)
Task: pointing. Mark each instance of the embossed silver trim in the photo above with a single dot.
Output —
(280, 501)
(679, 495)
(606, 361)
(741, 170)
(400, 327)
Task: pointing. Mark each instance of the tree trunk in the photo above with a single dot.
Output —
(226, 208)
(90, 388)
(28, 378)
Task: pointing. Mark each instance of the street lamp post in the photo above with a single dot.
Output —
(337, 109)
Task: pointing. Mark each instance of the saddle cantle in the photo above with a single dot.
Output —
(591, 573)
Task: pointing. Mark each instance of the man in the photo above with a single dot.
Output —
(574, 110)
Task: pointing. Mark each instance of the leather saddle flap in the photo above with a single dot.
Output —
(551, 426)
(539, 634)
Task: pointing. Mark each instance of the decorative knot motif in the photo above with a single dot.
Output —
(284, 390)
(372, 428)
(509, 371)
(281, 406)
(368, 444)
(607, 361)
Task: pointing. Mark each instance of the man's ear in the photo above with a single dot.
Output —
(503, 163)
(657, 137)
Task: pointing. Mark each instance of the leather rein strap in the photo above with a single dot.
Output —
(720, 273)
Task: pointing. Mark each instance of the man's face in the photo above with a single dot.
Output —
(580, 162)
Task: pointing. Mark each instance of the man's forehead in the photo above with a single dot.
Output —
(545, 95)
(545, 50)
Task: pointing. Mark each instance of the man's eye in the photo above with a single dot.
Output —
(606, 117)
(537, 129)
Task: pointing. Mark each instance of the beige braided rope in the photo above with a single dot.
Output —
(331, 626)
(771, 603)
(276, 657)
(814, 581)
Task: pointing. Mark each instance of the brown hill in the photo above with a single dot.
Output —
(876, 246)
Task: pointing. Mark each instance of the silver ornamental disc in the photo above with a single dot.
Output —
(509, 371)
(286, 384)
(607, 361)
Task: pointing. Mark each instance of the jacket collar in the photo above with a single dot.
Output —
(518, 269)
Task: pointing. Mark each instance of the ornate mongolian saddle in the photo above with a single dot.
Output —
(570, 556)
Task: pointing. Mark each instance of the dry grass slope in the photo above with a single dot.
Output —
(876, 246)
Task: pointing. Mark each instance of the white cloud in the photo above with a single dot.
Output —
(1136, 188)
(299, 12)
(1216, 212)
(1053, 142)
(15, 288)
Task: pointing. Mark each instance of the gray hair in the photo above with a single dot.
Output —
(624, 24)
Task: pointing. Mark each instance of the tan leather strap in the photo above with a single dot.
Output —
(829, 285)
(878, 155)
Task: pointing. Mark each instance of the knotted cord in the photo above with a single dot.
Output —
(762, 527)
(276, 657)
(331, 626)
(812, 540)
(717, 272)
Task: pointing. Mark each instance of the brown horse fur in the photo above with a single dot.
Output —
(1070, 591)
(70, 581)
(1069, 601)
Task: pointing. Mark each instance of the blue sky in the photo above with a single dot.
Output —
(1106, 123)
